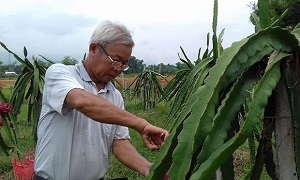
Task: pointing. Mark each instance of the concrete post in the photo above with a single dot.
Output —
(285, 160)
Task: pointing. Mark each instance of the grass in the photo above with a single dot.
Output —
(117, 170)
(154, 116)
(25, 144)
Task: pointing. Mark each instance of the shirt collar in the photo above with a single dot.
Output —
(85, 76)
(82, 72)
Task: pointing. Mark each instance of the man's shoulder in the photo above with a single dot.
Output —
(60, 65)
(59, 68)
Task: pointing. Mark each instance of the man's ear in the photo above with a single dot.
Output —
(93, 47)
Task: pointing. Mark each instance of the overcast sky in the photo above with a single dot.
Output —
(58, 28)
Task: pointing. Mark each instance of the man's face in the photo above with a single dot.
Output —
(106, 63)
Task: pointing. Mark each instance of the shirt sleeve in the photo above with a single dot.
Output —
(59, 80)
(122, 132)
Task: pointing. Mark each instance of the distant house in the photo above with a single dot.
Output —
(12, 73)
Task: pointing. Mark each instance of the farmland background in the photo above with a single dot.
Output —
(26, 142)
(155, 116)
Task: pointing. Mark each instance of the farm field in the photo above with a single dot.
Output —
(155, 116)
(26, 141)
(125, 82)
(5, 83)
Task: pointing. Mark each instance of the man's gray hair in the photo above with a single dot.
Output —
(109, 32)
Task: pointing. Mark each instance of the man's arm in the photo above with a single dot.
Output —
(129, 156)
(101, 110)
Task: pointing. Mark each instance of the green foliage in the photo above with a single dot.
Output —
(262, 92)
(292, 15)
(135, 66)
(13, 67)
(155, 116)
(147, 87)
(214, 28)
(195, 129)
(264, 13)
(28, 89)
(190, 75)
(203, 135)
(182, 84)
(283, 13)
(68, 60)
(25, 144)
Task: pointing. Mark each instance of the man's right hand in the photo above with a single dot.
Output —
(154, 137)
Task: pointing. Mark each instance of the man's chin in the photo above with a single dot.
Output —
(109, 79)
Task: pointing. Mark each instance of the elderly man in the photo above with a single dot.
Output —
(83, 117)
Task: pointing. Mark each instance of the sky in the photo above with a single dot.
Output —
(59, 28)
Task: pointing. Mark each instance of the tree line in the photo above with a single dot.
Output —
(136, 66)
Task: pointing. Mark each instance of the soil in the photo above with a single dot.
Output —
(4, 83)
(126, 82)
